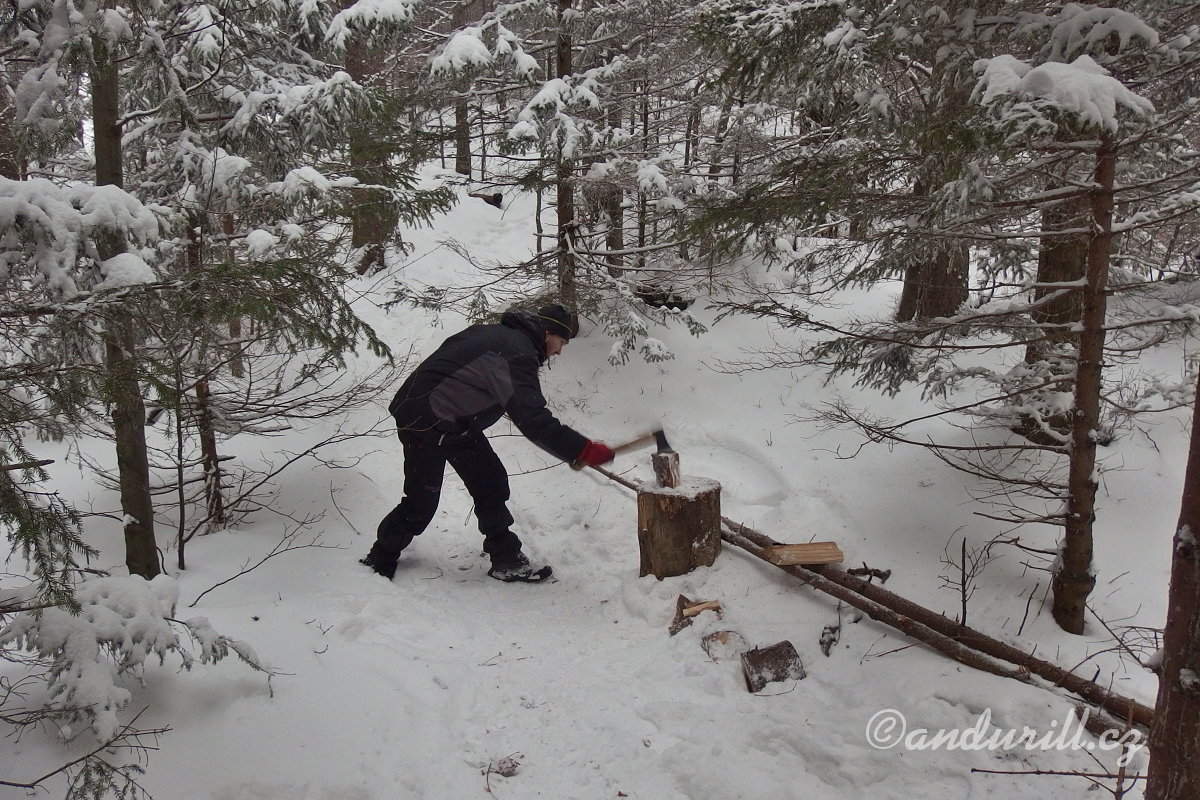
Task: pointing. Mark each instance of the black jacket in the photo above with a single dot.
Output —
(479, 375)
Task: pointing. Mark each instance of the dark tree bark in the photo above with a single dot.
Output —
(1061, 259)
(120, 339)
(10, 160)
(373, 218)
(237, 365)
(1175, 738)
(1073, 578)
(462, 137)
(938, 287)
(568, 289)
(204, 419)
(464, 14)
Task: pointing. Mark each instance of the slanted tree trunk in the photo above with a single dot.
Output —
(1175, 738)
(120, 337)
(1073, 577)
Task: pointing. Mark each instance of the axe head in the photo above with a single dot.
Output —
(660, 438)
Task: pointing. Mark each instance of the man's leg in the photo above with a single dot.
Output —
(424, 467)
(486, 480)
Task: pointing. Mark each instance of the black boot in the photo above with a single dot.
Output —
(519, 568)
(381, 564)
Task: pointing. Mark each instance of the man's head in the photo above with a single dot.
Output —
(557, 322)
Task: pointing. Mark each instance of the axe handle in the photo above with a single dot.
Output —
(634, 443)
(621, 448)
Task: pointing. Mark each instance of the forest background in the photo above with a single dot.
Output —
(967, 228)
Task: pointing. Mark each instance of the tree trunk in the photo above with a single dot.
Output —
(128, 407)
(568, 290)
(465, 12)
(614, 240)
(714, 158)
(373, 218)
(1175, 738)
(936, 288)
(204, 418)
(237, 365)
(462, 137)
(214, 497)
(1073, 578)
(10, 160)
(1062, 259)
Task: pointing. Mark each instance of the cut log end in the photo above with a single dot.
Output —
(776, 662)
(786, 555)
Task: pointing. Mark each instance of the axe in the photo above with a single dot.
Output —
(657, 436)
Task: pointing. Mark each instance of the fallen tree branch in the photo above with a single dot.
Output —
(907, 625)
(965, 645)
(916, 619)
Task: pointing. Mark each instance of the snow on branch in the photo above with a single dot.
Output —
(1083, 87)
(1079, 29)
(123, 623)
(366, 15)
(50, 227)
(467, 52)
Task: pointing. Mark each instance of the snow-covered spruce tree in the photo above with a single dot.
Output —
(877, 123)
(387, 141)
(228, 131)
(1059, 129)
(600, 124)
(86, 656)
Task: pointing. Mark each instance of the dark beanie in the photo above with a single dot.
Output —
(556, 319)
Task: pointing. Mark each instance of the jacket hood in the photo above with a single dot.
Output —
(531, 325)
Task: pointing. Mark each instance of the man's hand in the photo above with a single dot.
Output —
(593, 454)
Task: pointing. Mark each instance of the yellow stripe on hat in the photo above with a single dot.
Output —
(557, 322)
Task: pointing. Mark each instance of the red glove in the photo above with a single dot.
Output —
(594, 454)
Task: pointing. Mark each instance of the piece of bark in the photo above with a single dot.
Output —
(776, 662)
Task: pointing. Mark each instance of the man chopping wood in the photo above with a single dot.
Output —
(441, 411)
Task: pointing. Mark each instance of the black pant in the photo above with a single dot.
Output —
(482, 472)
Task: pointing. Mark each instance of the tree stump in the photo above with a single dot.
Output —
(679, 527)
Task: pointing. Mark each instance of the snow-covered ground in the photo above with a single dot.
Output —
(423, 687)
